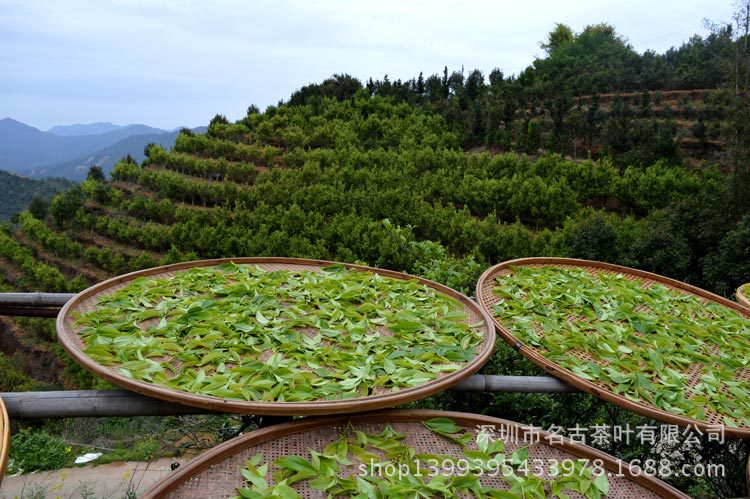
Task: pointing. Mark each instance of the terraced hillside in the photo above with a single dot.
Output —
(355, 180)
(695, 117)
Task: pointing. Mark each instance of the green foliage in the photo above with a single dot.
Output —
(37, 451)
(148, 235)
(433, 262)
(326, 333)
(594, 237)
(146, 449)
(660, 247)
(12, 375)
(58, 244)
(644, 337)
(17, 193)
(594, 61)
(39, 207)
(729, 267)
(457, 472)
(561, 35)
(34, 273)
(339, 87)
(65, 205)
(96, 174)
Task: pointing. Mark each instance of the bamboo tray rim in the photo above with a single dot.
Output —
(231, 447)
(568, 376)
(4, 439)
(317, 407)
(742, 298)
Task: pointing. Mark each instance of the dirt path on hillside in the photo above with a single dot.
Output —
(114, 480)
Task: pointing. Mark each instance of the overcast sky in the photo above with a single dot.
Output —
(174, 63)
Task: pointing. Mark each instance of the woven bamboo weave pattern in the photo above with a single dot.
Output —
(216, 473)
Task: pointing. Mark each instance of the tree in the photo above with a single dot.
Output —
(339, 86)
(219, 119)
(38, 207)
(574, 123)
(444, 82)
(420, 85)
(557, 38)
(592, 122)
(597, 60)
(64, 205)
(96, 174)
(739, 128)
(496, 77)
(593, 238)
(474, 85)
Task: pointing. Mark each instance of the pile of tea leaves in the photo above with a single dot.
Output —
(357, 465)
(644, 339)
(242, 332)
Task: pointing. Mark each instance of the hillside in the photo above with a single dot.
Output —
(16, 192)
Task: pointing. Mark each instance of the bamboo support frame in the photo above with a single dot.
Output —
(105, 403)
(33, 304)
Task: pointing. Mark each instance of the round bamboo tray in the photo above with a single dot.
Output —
(67, 332)
(742, 295)
(217, 472)
(4, 439)
(487, 299)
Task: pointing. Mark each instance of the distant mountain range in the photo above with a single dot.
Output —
(68, 151)
(76, 169)
(85, 129)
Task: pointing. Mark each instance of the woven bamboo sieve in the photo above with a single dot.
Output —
(217, 472)
(742, 294)
(68, 333)
(487, 299)
(4, 439)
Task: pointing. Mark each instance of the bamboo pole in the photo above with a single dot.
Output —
(32, 304)
(101, 403)
(34, 299)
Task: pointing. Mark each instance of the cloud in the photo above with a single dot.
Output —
(174, 63)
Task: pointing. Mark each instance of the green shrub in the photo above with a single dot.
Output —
(38, 451)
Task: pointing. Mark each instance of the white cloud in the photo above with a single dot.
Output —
(180, 62)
